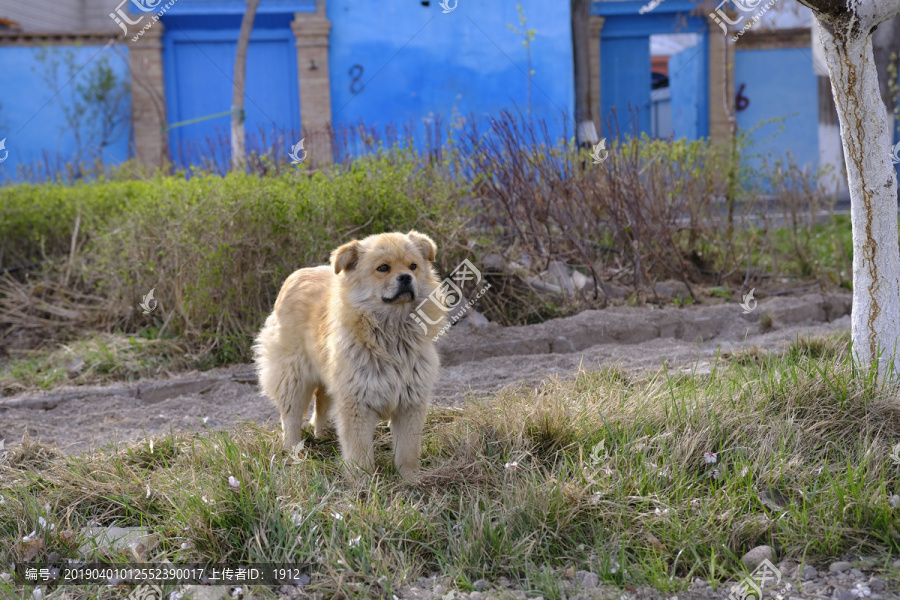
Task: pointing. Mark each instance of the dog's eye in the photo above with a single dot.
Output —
(413, 266)
(383, 268)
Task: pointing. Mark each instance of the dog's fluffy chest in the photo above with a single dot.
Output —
(395, 367)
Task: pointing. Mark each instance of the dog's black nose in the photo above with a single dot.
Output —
(404, 279)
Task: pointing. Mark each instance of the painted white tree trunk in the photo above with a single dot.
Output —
(845, 28)
(238, 151)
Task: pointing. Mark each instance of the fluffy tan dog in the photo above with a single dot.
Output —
(344, 334)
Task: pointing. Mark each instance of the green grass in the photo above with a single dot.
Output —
(611, 477)
(98, 359)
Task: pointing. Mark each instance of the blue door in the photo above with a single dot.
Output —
(625, 90)
(626, 97)
(199, 71)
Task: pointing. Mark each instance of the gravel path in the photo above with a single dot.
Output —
(477, 361)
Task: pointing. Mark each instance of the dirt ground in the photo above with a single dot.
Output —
(477, 361)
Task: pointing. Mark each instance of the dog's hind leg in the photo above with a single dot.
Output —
(320, 415)
(292, 394)
(293, 410)
(406, 429)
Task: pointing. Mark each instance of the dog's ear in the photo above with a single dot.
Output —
(345, 257)
(426, 246)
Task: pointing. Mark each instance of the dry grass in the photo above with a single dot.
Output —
(606, 472)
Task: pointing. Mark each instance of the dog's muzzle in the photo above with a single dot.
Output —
(405, 290)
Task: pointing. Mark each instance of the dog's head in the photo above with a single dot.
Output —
(387, 269)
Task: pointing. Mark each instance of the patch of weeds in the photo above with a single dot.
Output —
(647, 479)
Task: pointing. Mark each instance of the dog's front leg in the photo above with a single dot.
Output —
(406, 429)
(356, 434)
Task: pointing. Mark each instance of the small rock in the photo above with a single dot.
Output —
(839, 566)
(137, 540)
(558, 274)
(476, 596)
(480, 585)
(587, 580)
(856, 573)
(754, 557)
(439, 590)
(876, 585)
(494, 262)
(205, 592)
(808, 573)
(74, 367)
(843, 595)
(570, 572)
(671, 289)
(580, 280)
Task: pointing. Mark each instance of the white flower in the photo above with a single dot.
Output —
(238, 592)
(42, 522)
(664, 511)
(511, 466)
(354, 542)
(30, 536)
(745, 471)
(205, 419)
(176, 596)
(2, 500)
(187, 545)
(233, 483)
(894, 501)
(148, 490)
(297, 518)
(714, 473)
(861, 591)
(457, 527)
(337, 516)
(37, 594)
(709, 458)
(205, 501)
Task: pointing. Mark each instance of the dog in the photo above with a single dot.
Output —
(344, 334)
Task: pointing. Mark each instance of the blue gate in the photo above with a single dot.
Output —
(198, 57)
(626, 97)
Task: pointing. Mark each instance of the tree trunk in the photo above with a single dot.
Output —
(238, 151)
(845, 30)
(585, 131)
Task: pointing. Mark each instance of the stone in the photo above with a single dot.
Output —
(480, 585)
(877, 585)
(476, 596)
(558, 274)
(580, 280)
(439, 590)
(672, 289)
(755, 556)
(808, 573)
(856, 573)
(205, 592)
(843, 595)
(587, 580)
(494, 263)
(137, 540)
(839, 566)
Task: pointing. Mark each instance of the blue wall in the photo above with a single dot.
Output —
(779, 83)
(31, 117)
(400, 62)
